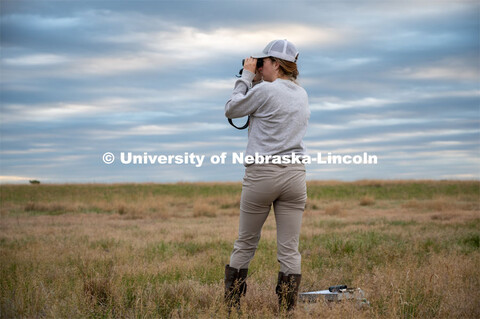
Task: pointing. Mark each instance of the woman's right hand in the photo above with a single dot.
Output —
(250, 64)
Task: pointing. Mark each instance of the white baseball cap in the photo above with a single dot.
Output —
(281, 49)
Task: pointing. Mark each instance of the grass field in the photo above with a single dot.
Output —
(159, 250)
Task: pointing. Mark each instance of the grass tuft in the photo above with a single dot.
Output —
(367, 200)
(334, 209)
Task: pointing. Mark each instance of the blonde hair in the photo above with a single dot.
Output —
(287, 68)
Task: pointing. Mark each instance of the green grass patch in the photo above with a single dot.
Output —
(395, 191)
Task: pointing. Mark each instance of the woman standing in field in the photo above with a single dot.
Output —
(279, 113)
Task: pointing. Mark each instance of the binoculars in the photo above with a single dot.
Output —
(259, 65)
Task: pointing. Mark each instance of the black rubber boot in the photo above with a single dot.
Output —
(287, 291)
(235, 286)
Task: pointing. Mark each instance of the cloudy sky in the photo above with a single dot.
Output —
(396, 79)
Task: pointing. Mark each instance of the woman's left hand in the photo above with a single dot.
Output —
(258, 77)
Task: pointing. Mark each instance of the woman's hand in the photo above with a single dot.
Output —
(250, 64)
(258, 77)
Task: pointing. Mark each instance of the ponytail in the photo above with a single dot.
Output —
(287, 68)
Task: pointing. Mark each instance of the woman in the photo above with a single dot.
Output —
(279, 113)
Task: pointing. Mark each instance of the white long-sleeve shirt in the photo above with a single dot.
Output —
(279, 115)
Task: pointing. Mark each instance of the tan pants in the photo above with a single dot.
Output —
(285, 187)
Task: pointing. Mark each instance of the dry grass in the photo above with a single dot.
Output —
(158, 251)
(367, 200)
(334, 209)
(202, 208)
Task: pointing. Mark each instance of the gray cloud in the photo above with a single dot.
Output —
(83, 78)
